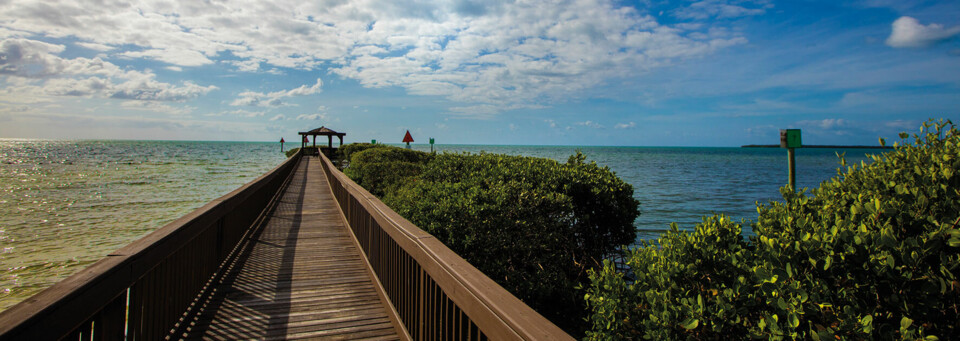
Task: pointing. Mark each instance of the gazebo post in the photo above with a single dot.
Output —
(314, 140)
(330, 141)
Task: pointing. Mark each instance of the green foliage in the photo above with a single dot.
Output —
(872, 253)
(533, 225)
(294, 151)
(346, 151)
(381, 168)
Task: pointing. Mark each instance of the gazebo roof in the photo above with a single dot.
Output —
(322, 131)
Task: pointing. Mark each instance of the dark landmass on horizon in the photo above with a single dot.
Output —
(816, 146)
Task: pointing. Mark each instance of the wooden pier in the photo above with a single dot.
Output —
(300, 252)
(302, 276)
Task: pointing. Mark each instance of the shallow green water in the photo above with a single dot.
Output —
(66, 204)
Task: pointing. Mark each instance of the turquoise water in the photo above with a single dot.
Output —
(682, 184)
(66, 204)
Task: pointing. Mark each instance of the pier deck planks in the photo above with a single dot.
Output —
(303, 277)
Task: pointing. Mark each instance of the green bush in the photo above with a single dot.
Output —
(294, 151)
(532, 225)
(872, 253)
(348, 150)
(380, 168)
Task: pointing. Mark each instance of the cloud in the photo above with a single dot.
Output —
(533, 53)
(175, 56)
(275, 99)
(238, 112)
(279, 117)
(30, 58)
(145, 87)
(39, 61)
(551, 123)
(721, 9)
(590, 124)
(96, 47)
(908, 32)
(76, 87)
(486, 56)
(156, 107)
(825, 124)
(475, 111)
(625, 125)
(312, 117)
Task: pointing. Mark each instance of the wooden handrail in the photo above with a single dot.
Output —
(143, 290)
(436, 293)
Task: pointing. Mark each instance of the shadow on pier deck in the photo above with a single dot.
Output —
(300, 252)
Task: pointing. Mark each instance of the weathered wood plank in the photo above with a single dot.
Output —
(302, 278)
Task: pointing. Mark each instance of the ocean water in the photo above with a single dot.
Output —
(66, 204)
(683, 184)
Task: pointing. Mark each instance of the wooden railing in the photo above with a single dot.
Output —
(436, 294)
(145, 289)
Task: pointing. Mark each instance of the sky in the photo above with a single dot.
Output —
(581, 72)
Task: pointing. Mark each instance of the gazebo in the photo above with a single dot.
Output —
(323, 131)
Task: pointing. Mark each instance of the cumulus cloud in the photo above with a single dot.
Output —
(722, 9)
(175, 56)
(311, 117)
(145, 87)
(239, 112)
(625, 125)
(279, 117)
(826, 124)
(39, 61)
(908, 32)
(95, 46)
(275, 99)
(157, 107)
(489, 56)
(30, 58)
(533, 53)
(590, 124)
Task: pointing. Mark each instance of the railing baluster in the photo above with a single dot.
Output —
(110, 321)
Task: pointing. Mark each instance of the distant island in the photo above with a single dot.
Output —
(815, 146)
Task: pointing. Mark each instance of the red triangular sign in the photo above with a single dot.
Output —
(407, 138)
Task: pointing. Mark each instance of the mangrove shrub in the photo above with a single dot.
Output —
(873, 253)
(381, 169)
(533, 225)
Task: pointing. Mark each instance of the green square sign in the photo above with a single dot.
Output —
(790, 138)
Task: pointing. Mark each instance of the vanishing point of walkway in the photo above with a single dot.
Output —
(303, 277)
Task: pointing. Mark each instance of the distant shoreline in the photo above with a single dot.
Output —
(827, 146)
